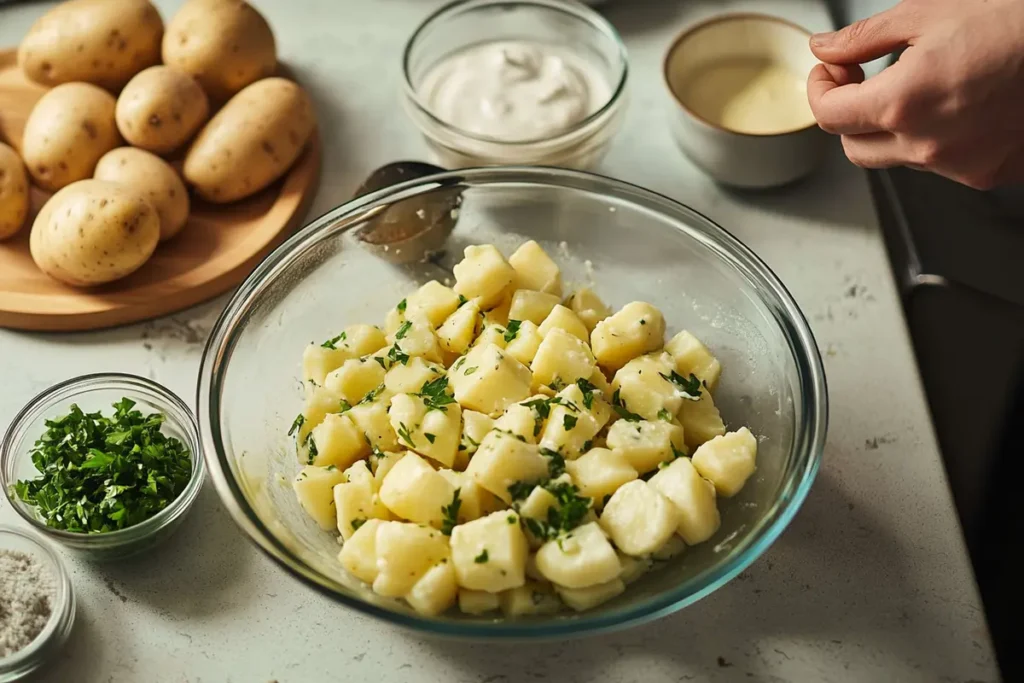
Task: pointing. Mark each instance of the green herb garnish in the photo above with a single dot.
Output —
(587, 389)
(556, 463)
(470, 371)
(435, 394)
(511, 330)
(296, 423)
(620, 407)
(430, 437)
(690, 387)
(587, 445)
(569, 421)
(332, 342)
(372, 395)
(462, 300)
(396, 355)
(345, 405)
(401, 306)
(406, 326)
(663, 414)
(403, 433)
(520, 490)
(563, 517)
(356, 523)
(450, 514)
(511, 519)
(313, 452)
(458, 363)
(482, 557)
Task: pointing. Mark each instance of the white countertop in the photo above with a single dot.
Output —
(871, 582)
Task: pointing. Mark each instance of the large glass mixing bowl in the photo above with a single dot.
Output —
(631, 244)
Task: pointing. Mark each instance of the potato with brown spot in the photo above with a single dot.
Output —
(14, 198)
(251, 142)
(93, 232)
(95, 41)
(68, 131)
(160, 109)
(224, 44)
(154, 178)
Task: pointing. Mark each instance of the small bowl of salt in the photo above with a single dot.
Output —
(37, 603)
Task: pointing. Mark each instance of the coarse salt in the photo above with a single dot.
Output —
(27, 593)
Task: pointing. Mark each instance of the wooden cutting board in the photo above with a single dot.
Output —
(215, 251)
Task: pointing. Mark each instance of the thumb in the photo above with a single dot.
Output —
(867, 39)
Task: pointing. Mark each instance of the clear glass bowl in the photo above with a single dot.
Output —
(62, 616)
(97, 393)
(465, 23)
(634, 245)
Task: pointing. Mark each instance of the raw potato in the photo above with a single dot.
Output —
(69, 129)
(251, 142)
(14, 198)
(160, 109)
(154, 179)
(93, 232)
(96, 41)
(224, 44)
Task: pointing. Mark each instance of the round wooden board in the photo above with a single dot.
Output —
(218, 247)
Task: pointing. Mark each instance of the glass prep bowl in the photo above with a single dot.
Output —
(630, 243)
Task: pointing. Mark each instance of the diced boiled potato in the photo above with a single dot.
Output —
(405, 552)
(535, 270)
(530, 305)
(727, 461)
(314, 487)
(532, 573)
(586, 304)
(491, 334)
(360, 472)
(381, 463)
(563, 319)
(355, 341)
(318, 362)
(638, 518)
(356, 501)
(410, 377)
(483, 274)
(415, 491)
(337, 441)
(536, 507)
(436, 590)
(692, 357)
(524, 345)
(693, 497)
(416, 338)
(433, 433)
(531, 599)
(359, 553)
(475, 500)
(488, 380)
(394, 318)
(638, 328)
(433, 302)
(474, 428)
(599, 472)
(521, 420)
(579, 559)
(498, 315)
(355, 379)
(646, 444)
(561, 359)
(459, 329)
(319, 403)
(375, 424)
(477, 602)
(601, 383)
(674, 547)
(644, 390)
(490, 553)
(572, 425)
(701, 421)
(633, 567)
(581, 599)
(502, 460)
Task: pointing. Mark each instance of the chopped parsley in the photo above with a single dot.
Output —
(620, 407)
(511, 330)
(332, 342)
(396, 355)
(297, 423)
(482, 557)
(450, 514)
(401, 306)
(435, 394)
(676, 453)
(556, 463)
(430, 437)
(403, 433)
(403, 330)
(587, 445)
(511, 519)
(557, 384)
(690, 387)
(462, 300)
(663, 414)
(542, 406)
(470, 371)
(313, 452)
(563, 517)
(587, 389)
(458, 363)
(344, 405)
(372, 395)
(520, 490)
(643, 321)
(569, 421)
(356, 523)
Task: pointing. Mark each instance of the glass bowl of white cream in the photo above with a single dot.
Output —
(515, 82)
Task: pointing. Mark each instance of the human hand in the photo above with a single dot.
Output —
(954, 102)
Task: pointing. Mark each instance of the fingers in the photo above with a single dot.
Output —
(867, 39)
(844, 103)
(874, 150)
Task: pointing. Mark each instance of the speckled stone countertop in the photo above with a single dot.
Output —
(870, 583)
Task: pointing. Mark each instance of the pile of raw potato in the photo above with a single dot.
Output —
(113, 204)
(500, 447)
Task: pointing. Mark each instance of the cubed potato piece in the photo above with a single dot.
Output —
(532, 599)
(525, 343)
(581, 599)
(435, 592)
(356, 501)
(535, 270)
(727, 461)
(405, 552)
(693, 497)
(410, 377)
(314, 487)
(415, 491)
(638, 518)
(561, 359)
(483, 274)
(701, 421)
(318, 362)
(498, 314)
(530, 305)
(692, 357)
(536, 506)
(381, 463)
(563, 319)
(599, 472)
(431, 433)
(353, 342)
(587, 305)
(601, 383)
(489, 553)
(646, 444)
(460, 328)
(674, 547)
(579, 559)
(633, 567)
(638, 328)
(416, 338)
(491, 334)
(576, 418)
(375, 424)
(355, 379)
(521, 420)
(503, 460)
(477, 602)
(488, 380)
(433, 302)
(475, 500)
(336, 441)
(474, 428)
(359, 553)
(319, 403)
(643, 389)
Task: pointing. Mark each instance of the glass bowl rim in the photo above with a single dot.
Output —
(580, 11)
(77, 386)
(809, 437)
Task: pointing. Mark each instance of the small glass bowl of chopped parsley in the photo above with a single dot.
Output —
(106, 464)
